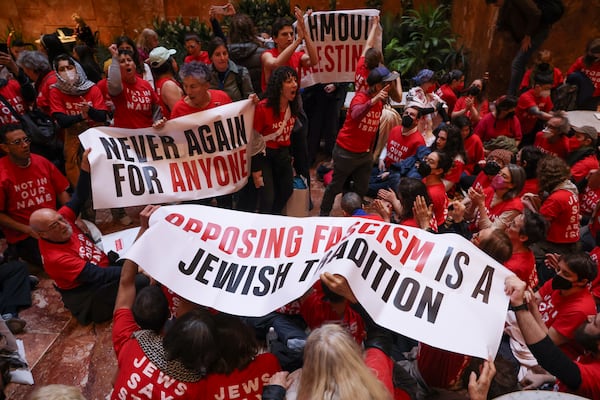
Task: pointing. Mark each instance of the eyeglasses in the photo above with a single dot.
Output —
(19, 142)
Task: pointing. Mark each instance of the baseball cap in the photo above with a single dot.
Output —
(424, 75)
(159, 55)
(587, 130)
(381, 74)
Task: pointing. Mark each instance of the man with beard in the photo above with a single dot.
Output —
(580, 376)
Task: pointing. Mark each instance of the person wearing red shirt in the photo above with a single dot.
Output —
(80, 270)
(352, 155)
(582, 153)
(28, 182)
(36, 66)
(544, 65)
(285, 52)
(473, 104)
(553, 139)
(528, 158)
(500, 122)
(164, 68)
(454, 82)
(472, 144)
(194, 50)
(432, 169)
(534, 106)
(403, 140)
(585, 73)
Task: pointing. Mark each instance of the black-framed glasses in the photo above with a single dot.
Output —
(19, 142)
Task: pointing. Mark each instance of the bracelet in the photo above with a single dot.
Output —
(522, 307)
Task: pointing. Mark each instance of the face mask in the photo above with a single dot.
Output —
(590, 59)
(560, 283)
(545, 93)
(70, 76)
(510, 115)
(574, 144)
(491, 168)
(474, 91)
(498, 183)
(407, 121)
(424, 169)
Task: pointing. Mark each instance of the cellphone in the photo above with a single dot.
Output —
(4, 48)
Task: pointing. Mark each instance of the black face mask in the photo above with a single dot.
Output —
(560, 283)
(407, 121)
(510, 115)
(474, 91)
(491, 168)
(589, 59)
(544, 67)
(424, 169)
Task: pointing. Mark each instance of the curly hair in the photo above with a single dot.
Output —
(196, 70)
(35, 61)
(454, 141)
(135, 56)
(242, 30)
(275, 86)
(551, 171)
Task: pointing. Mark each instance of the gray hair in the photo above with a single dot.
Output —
(35, 61)
(195, 69)
(565, 125)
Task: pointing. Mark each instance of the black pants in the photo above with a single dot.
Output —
(278, 175)
(15, 290)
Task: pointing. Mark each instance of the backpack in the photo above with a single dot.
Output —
(552, 10)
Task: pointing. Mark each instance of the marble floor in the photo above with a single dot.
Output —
(59, 350)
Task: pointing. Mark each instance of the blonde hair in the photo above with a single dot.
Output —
(334, 369)
(57, 392)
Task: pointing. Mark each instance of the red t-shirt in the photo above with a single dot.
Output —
(159, 84)
(531, 186)
(12, 93)
(439, 199)
(202, 57)
(267, 124)
(523, 265)
(482, 180)
(357, 135)
(401, 146)
(317, 312)
(138, 377)
(66, 104)
(63, 262)
(483, 109)
(43, 89)
(489, 128)
(506, 205)
(447, 94)
(560, 148)
(217, 98)
(25, 190)
(360, 76)
(133, 106)
(456, 170)
(474, 151)
(526, 101)
(582, 168)
(595, 255)
(561, 210)
(556, 75)
(441, 368)
(295, 62)
(592, 72)
(245, 384)
(565, 313)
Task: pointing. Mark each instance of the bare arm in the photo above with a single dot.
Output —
(7, 221)
(63, 198)
(374, 32)
(170, 94)
(310, 57)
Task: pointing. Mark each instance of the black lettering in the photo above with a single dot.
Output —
(433, 306)
(390, 286)
(240, 130)
(384, 266)
(356, 27)
(125, 148)
(222, 140)
(485, 280)
(368, 265)
(407, 284)
(136, 183)
(358, 252)
(153, 146)
(327, 26)
(459, 273)
(192, 142)
(280, 276)
(307, 268)
(192, 267)
(251, 273)
(444, 263)
(139, 148)
(151, 176)
(264, 280)
(118, 178)
(207, 139)
(169, 146)
(206, 266)
(228, 273)
(111, 148)
(343, 27)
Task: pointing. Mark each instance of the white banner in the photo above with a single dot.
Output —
(339, 37)
(439, 289)
(196, 156)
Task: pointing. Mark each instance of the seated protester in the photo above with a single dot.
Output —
(240, 362)
(543, 65)
(534, 106)
(580, 376)
(528, 158)
(500, 122)
(18, 169)
(560, 208)
(352, 206)
(80, 270)
(452, 84)
(498, 204)
(473, 104)
(525, 230)
(584, 73)
(494, 162)
(448, 139)
(180, 356)
(473, 147)
(17, 92)
(432, 169)
(397, 205)
(582, 154)
(553, 139)
(15, 292)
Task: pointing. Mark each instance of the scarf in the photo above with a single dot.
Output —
(80, 87)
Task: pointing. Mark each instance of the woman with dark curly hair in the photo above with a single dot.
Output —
(449, 140)
(274, 120)
(560, 207)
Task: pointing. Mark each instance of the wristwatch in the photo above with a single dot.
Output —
(521, 307)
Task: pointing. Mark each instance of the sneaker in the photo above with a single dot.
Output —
(125, 220)
(15, 324)
(33, 282)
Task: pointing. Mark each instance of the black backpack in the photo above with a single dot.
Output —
(552, 10)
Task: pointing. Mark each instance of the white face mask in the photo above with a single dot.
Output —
(70, 76)
(545, 93)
